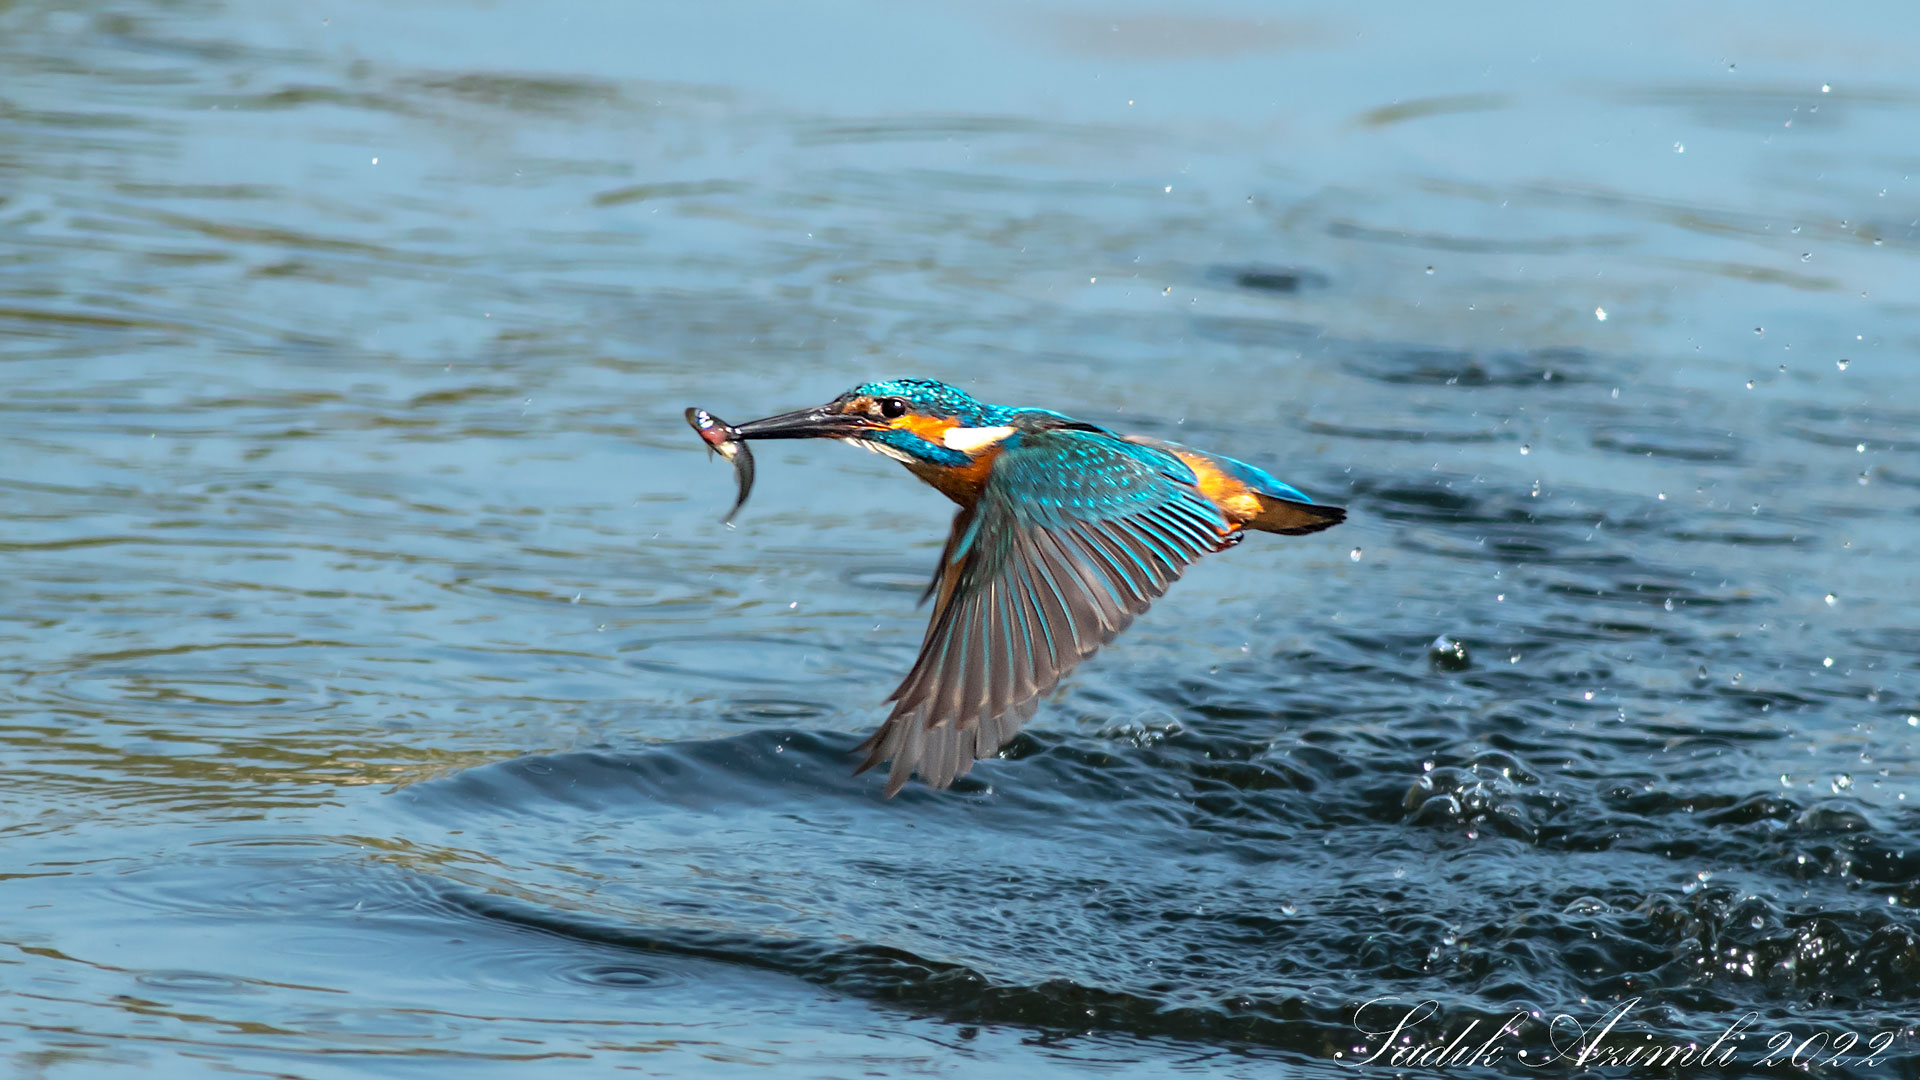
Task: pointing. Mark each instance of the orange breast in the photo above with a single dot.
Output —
(962, 484)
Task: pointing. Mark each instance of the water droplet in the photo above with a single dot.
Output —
(1092, 280)
(1616, 393)
(1759, 329)
(1806, 256)
(1526, 448)
(1841, 783)
(1447, 654)
(1757, 922)
(1500, 598)
(1354, 554)
(1828, 662)
(1826, 88)
(1913, 721)
(1679, 148)
(1842, 364)
(1663, 496)
(1749, 384)
(1168, 291)
(1587, 696)
(1667, 603)
(1600, 313)
(1169, 189)
(1832, 599)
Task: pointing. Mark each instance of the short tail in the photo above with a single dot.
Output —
(1294, 518)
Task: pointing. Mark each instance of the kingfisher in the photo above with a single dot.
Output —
(1066, 531)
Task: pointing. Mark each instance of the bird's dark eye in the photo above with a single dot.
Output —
(893, 408)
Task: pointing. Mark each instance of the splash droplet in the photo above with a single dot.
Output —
(1429, 271)
(1526, 448)
(1828, 662)
(1449, 654)
(1832, 599)
(1600, 313)
(1842, 364)
(1354, 554)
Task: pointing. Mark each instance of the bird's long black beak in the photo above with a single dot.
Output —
(822, 422)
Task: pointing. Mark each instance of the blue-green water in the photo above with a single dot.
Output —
(379, 694)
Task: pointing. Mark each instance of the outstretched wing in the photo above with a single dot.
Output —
(1075, 533)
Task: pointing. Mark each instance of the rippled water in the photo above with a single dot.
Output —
(382, 695)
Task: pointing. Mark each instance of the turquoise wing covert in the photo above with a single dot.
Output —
(1074, 534)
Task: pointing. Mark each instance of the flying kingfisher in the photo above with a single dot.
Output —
(1066, 531)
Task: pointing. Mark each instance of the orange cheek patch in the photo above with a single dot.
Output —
(931, 428)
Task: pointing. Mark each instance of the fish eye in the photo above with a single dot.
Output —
(892, 408)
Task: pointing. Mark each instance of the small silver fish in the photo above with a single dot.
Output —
(720, 437)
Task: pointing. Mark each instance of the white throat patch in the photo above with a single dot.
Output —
(882, 449)
(970, 439)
